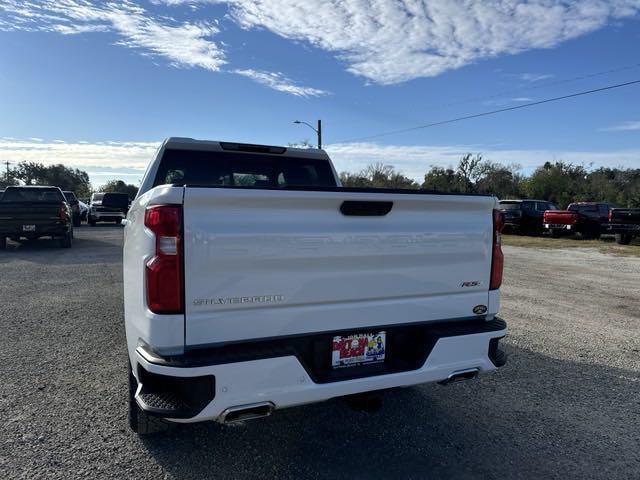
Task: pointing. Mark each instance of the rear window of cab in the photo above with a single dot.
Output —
(190, 167)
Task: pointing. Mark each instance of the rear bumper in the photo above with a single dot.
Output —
(54, 230)
(286, 380)
(106, 216)
(623, 228)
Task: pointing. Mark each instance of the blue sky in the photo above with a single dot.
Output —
(98, 85)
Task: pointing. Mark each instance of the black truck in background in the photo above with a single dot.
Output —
(108, 207)
(624, 223)
(524, 216)
(30, 212)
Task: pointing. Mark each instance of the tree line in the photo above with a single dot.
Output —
(68, 179)
(559, 182)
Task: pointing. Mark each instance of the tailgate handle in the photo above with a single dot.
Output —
(365, 208)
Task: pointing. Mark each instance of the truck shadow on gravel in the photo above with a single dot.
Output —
(537, 417)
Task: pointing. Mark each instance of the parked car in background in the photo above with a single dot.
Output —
(589, 219)
(525, 216)
(108, 207)
(31, 212)
(72, 200)
(84, 211)
(253, 282)
(624, 223)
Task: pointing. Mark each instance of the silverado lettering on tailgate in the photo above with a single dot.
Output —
(238, 300)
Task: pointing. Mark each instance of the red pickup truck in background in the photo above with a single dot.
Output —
(589, 219)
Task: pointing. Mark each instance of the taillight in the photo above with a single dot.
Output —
(610, 216)
(164, 269)
(62, 212)
(497, 257)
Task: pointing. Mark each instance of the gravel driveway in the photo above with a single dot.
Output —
(567, 405)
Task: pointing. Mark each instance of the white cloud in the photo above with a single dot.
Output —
(385, 41)
(391, 41)
(279, 82)
(623, 127)
(184, 44)
(534, 77)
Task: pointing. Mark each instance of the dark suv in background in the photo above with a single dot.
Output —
(73, 202)
(525, 216)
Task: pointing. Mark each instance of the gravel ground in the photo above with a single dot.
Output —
(567, 405)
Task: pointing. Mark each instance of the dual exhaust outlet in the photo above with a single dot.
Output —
(460, 376)
(242, 413)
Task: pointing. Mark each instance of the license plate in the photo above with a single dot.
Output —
(358, 349)
(28, 228)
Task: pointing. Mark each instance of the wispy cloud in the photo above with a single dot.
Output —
(623, 127)
(280, 82)
(391, 41)
(184, 44)
(78, 153)
(386, 41)
(534, 77)
(501, 102)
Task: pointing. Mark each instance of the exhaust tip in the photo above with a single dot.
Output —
(461, 376)
(242, 413)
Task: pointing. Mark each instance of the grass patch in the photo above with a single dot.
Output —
(604, 245)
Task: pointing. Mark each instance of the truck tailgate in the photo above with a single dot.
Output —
(261, 263)
(627, 216)
(560, 217)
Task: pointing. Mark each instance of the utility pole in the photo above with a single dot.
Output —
(317, 130)
(7, 163)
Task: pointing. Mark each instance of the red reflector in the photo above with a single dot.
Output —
(497, 257)
(164, 284)
(164, 270)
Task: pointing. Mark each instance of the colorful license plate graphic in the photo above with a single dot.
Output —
(358, 349)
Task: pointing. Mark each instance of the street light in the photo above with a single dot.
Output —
(317, 130)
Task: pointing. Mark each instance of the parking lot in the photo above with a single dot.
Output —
(566, 405)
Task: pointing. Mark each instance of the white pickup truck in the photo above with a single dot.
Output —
(253, 282)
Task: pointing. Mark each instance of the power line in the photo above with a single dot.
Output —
(526, 88)
(491, 112)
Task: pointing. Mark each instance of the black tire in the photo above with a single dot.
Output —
(67, 240)
(92, 222)
(3, 243)
(623, 238)
(556, 233)
(139, 421)
(76, 221)
(586, 234)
